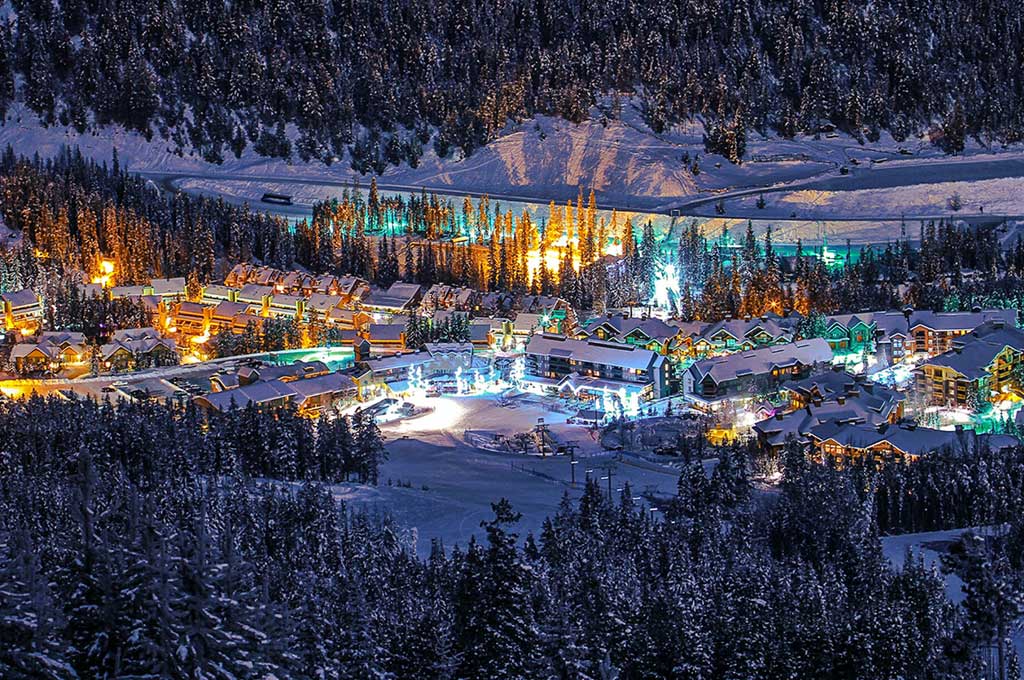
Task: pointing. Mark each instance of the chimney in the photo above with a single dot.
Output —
(998, 323)
(837, 368)
(746, 317)
(817, 401)
(958, 349)
(778, 415)
(976, 309)
(841, 400)
(869, 387)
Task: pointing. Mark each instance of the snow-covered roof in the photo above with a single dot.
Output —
(191, 308)
(592, 351)
(216, 291)
(286, 301)
(332, 383)
(396, 361)
(762, 361)
(385, 332)
(226, 309)
(20, 298)
(974, 353)
(163, 287)
(321, 302)
(915, 441)
(252, 292)
(653, 328)
(262, 392)
(398, 296)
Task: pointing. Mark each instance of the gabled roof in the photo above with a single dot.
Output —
(20, 298)
(801, 422)
(127, 334)
(398, 296)
(348, 284)
(620, 327)
(974, 353)
(961, 321)
(385, 332)
(836, 384)
(252, 292)
(762, 361)
(226, 309)
(137, 346)
(915, 441)
(23, 350)
(61, 338)
(296, 370)
(330, 383)
(262, 392)
(320, 302)
(774, 326)
(594, 352)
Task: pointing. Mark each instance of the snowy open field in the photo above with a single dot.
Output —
(977, 198)
(462, 481)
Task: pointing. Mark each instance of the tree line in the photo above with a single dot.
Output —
(950, 267)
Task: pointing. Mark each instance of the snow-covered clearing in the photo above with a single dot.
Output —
(453, 484)
(928, 544)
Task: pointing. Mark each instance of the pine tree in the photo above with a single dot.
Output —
(496, 632)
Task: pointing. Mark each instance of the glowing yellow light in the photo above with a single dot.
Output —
(11, 391)
(104, 278)
(446, 414)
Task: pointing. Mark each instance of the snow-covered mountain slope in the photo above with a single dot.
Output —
(542, 159)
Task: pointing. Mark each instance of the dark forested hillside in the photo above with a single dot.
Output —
(220, 76)
(135, 542)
